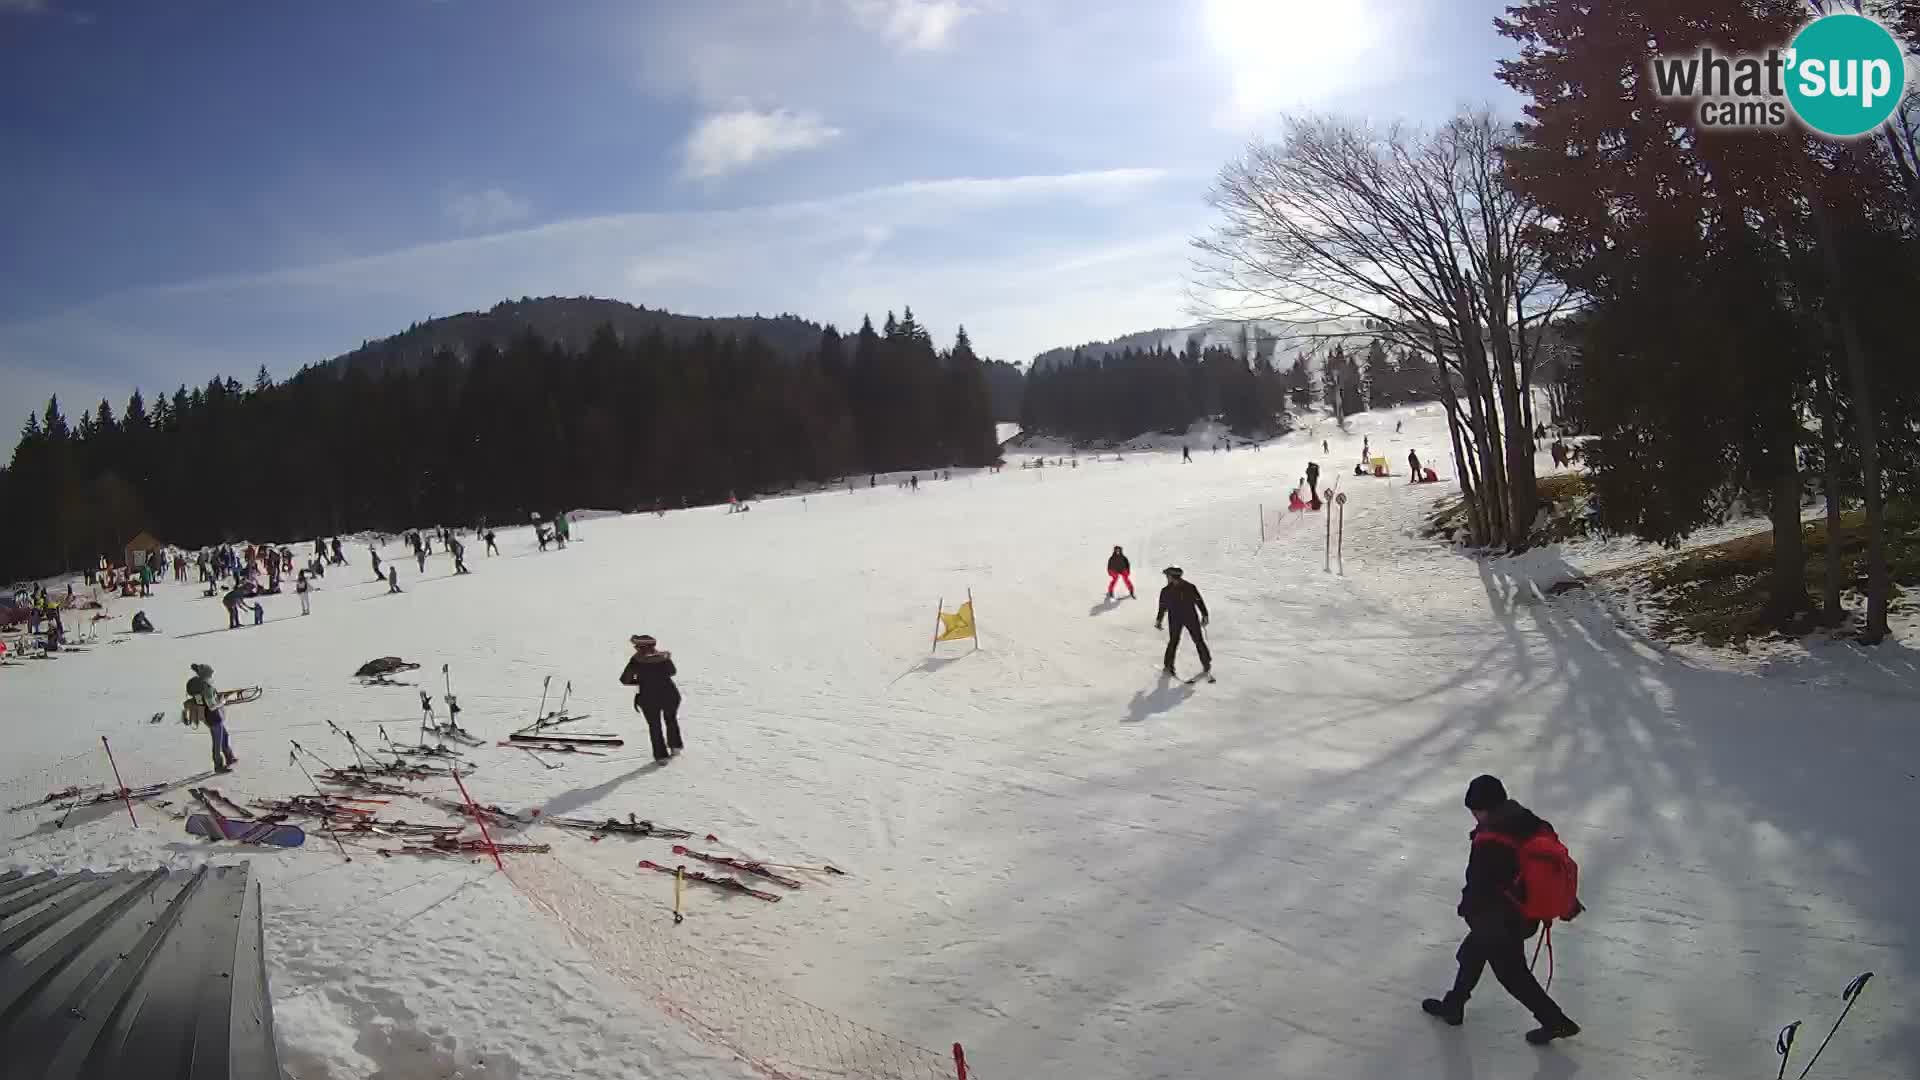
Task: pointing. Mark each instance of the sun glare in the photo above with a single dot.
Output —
(1284, 52)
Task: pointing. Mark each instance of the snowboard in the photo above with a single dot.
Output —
(272, 834)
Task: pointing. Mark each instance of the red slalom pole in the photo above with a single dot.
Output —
(960, 1060)
(118, 783)
(478, 818)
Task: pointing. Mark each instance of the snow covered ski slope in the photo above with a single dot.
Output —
(1052, 855)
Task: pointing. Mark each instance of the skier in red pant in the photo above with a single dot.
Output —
(1119, 570)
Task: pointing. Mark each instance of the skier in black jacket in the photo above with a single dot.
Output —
(650, 672)
(1119, 569)
(1180, 604)
(1495, 927)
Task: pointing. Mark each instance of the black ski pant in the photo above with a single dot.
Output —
(663, 726)
(1174, 628)
(1507, 955)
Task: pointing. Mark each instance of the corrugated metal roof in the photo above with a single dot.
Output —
(157, 974)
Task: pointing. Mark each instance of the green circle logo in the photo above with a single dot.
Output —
(1847, 75)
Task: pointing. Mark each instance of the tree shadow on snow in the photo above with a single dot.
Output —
(1702, 805)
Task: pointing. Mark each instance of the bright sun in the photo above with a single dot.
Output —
(1283, 52)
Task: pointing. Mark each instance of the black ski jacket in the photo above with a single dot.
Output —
(651, 676)
(1486, 903)
(1118, 564)
(1181, 602)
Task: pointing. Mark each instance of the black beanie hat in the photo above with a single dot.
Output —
(1486, 793)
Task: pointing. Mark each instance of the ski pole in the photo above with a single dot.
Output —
(566, 693)
(122, 787)
(538, 758)
(1784, 1046)
(326, 819)
(311, 754)
(1850, 995)
(542, 710)
(679, 887)
(354, 745)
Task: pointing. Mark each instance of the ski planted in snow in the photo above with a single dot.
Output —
(726, 883)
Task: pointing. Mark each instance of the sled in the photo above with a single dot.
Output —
(270, 833)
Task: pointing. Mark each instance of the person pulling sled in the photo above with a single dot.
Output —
(203, 706)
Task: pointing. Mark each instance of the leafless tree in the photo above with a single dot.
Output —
(1411, 234)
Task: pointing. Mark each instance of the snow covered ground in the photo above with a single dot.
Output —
(1055, 858)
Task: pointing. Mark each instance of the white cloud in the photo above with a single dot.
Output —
(489, 209)
(730, 141)
(912, 24)
(929, 244)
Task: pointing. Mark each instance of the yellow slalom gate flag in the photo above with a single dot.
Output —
(957, 626)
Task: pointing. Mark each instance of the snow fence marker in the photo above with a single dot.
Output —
(478, 819)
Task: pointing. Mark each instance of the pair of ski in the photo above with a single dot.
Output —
(74, 792)
(327, 808)
(493, 815)
(1204, 676)
(632, 826)
(449, 845)
(748, 866)
(423, 750)
(597, 739)
(724, 883)
(552, 746)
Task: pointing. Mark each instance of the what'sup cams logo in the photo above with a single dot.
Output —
(1842, 76)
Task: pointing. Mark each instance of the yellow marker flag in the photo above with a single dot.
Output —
(957, 626)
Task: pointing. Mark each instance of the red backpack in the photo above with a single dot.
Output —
(1548, 884)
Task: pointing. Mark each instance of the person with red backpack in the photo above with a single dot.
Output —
(1519, 878)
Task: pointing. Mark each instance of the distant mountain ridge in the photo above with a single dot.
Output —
(569, 321)
(1289, 342)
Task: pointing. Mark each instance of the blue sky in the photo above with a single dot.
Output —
(196, 187)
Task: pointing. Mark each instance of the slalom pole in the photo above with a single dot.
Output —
(975, 612)
(1329, 512)
(1340, 544)
(478, 818)
(939, 606)
(1263, 523)
(326, 820)
(121, 786)
(959, 1062)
